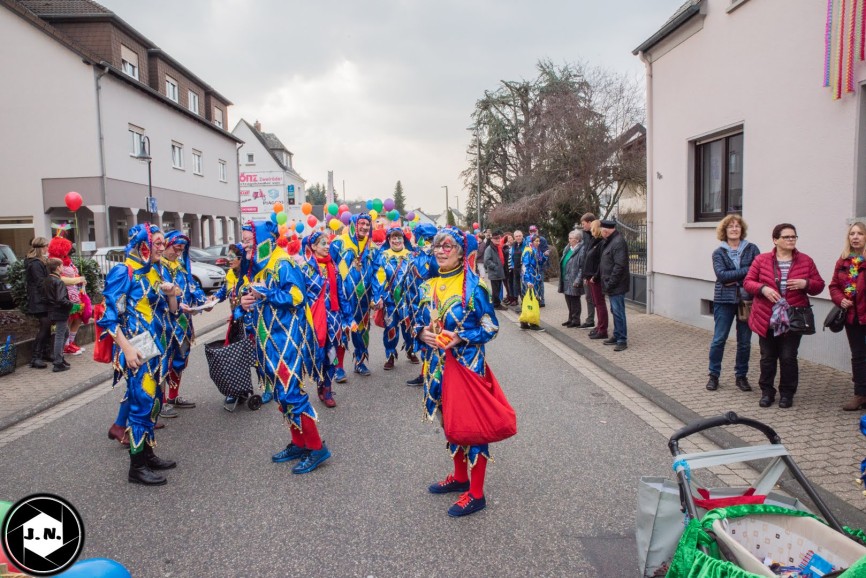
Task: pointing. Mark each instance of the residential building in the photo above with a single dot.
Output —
(92, 97)
(738, 122)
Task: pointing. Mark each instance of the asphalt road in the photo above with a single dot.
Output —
(561, 494)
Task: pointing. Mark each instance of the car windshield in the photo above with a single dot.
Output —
(199, 254)
(6, 254)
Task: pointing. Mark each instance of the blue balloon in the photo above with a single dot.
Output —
(274, 218)
(299, 227)
(369, 205)
(97, 568)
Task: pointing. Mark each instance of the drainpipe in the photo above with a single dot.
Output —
(650, 187)
(102, 179)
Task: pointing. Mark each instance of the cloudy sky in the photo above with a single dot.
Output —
(381, 90)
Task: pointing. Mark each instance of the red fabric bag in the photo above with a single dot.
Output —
(102, 345)
(379, 317)
(320, 319)
(475, 411)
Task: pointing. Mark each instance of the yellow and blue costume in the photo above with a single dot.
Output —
(388, 286)
(532, 261)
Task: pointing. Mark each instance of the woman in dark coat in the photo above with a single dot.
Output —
(570, 277)
(784, 276)
(592, 272)
(35, 274)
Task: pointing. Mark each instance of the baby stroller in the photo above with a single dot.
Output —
(687, 531)
(229, 367)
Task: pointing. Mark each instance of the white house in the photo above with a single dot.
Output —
(738, 121)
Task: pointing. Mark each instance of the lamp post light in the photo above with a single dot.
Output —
(446, 203)
(144, 155)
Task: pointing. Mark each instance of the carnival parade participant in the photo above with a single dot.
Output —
(456, 314)
(175, 268)
(323, 289)
(248, 266)
(353, 257)
(61, 248)
(532, 276)
(134, 295)
(390, 268)
(422, 267)
(285, 344)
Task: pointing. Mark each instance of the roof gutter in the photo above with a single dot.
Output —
(668, 28)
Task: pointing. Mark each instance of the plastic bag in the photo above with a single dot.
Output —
(529, 311)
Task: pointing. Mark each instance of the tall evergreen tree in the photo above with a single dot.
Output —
(399, 198)
(450, 219)
(316, 194)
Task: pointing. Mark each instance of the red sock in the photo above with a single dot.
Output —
(297, 437)
(312, 441)
(461, 470)
(476, 484)
(341, 353)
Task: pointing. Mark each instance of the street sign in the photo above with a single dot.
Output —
(151, 205)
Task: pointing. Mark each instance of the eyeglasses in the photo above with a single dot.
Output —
(444, 247)
(789, 237)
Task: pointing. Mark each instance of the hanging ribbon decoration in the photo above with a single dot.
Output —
(844, 30)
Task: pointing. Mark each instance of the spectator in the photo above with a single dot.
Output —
(780, 279)
(615, 281)
(570, 282)
(35, 274)
(731, 262)
(588, 241)
(59, 306)
(507, 249)
(591, 265)
(494, 264)
(517, 248)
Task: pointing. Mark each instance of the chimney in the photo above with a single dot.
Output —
(258, 126)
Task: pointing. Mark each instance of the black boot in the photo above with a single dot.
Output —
(155, 462)
(140, 473)
(713, 383)
(36, 360)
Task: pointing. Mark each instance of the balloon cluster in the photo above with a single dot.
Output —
(284, 225)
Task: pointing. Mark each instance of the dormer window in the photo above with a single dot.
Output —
(171, 88)
(129, 61)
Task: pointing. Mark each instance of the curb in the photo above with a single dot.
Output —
(76, 389)
(852, 517)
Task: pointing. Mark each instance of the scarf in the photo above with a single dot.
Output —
(779, 317)
(332, 280)
(735, 254)
(499, 250)
(853, 272)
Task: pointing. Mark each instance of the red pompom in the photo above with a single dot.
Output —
(282, 242)
(294, 246)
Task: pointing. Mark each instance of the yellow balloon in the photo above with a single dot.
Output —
(417, 217)
(335, 225)
(374, 214)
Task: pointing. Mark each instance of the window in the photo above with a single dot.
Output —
(218, 117)
(251, 158)
(171, 88)
(223, 172)
(177, 155)
(718, 177)
(196, 162)
(193, 101)
(136, 143)
(129, 61)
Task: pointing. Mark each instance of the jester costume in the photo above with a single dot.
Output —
(390, 269)
(133, 302)
(285, 344)
(458, 301)
(532, 266)
(353, 257)
(422, 266)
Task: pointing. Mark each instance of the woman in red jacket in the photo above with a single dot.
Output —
(848, 291)
(784, 275)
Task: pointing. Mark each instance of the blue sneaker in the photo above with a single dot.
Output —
(292, 452)
(267, 396)
(340, 375)
(362, 369)
(448, 485)
(312, 460)
(467, 505)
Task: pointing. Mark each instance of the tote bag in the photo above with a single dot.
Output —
(529, 311)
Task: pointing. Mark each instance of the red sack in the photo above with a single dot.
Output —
(320, 319)
(102, 345)
(379, 317)
(475, 411)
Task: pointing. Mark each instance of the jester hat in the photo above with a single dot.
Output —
(175, 238)
(407, 243)
(425, 231)
(140, 244)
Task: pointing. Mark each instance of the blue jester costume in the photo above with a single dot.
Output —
(422, 267)
(353, 258)
(388, 286)
(239, 320)
(180, 329)
(532, 261)
(458, 301)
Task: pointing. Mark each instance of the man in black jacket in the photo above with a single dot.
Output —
(59, 306)
(495, 268)
(615, 279)
(586, 224)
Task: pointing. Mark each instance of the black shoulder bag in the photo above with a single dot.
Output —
(801, 319)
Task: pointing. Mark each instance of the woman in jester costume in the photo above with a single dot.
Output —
(174, 267)
(135, 295)
(285, 342)
(390, 269)
(352, 254)
(323, 289)
(421, 267)
(456, 313)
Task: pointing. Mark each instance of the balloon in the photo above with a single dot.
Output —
(282, 218)
(393, 214)
(274, 218)
(306, 208)
(346, 217)
(333, 209)
(476, 226)
(410, 216)
(417, 218)
(97, 568)
(377, 205)
(283, 230)
(344, 208)
(369, 205)
(312, 220)
(73, 201)
(374, 214)
(412, 224)
(278, 207)
(299, 227)
(389, 204)
(335, 225)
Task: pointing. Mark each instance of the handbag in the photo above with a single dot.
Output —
(744, 309)
(529, 311)
(801, 320)
(379, 317)
(103, 342)
(835, 320)
(145, 343)
(8, 356)
(475, 410)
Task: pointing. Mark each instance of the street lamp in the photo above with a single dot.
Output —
(447, 210)
(144, 155)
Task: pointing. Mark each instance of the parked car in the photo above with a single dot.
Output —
(7, 258)
(209, 277)
(202, 256)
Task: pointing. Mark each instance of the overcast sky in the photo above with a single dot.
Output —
(381, 90)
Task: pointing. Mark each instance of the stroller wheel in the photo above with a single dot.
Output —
(254, 402)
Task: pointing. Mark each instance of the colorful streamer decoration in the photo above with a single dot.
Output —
(843, 36)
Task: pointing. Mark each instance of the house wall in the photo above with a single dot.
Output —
(760, 66)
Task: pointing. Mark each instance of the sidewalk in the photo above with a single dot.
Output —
(666, 362)
(27, 391)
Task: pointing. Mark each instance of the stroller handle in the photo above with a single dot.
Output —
(729, 418)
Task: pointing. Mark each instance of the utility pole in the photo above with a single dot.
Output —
(446, 202)
(478, 164)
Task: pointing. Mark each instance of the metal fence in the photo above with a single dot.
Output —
(636, 238)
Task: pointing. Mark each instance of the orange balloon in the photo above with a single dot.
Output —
(306, 208)
(278, 207)
(284, 229)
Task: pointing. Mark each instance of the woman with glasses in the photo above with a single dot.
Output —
(779, 280)
(456, 313)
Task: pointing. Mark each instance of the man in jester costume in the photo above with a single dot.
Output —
(422, 267)
(390, 268)
(353, 254)
(456, 314)
(286, 342)
(174, 267)
(135, 295)
(323, 290)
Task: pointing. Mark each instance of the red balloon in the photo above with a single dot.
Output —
(73, 201)
(475, 226)
(312, 220)
(343, 208)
